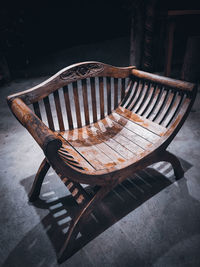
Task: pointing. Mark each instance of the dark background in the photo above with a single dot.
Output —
(31, 30)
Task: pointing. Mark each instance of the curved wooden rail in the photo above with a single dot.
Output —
(98, 124)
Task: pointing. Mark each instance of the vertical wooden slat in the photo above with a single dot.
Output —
(58, 110)
(133, 105)
(115, 93)
(149, 99)
(122, 89)
(94, 103)
(101, 94)
(37, 110)
(155, 102)
(85, 101)
(68, 108)
(134, 96)
(131, 86)
(147, 85)
(181, 102)
(177, 103)
(162, 106)
(49, 113)
(169, 107)
(108, 85)
(77, 104)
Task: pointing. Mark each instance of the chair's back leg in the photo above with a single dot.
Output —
(36, 187)
(68, 248)
(178, 170)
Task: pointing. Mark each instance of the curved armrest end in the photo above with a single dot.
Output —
(51, 145)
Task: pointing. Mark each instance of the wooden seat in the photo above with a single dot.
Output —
(98, 124)
(109, 143)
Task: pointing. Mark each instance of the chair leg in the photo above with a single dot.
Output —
(37, 184)
(178, 170)
(68, 248)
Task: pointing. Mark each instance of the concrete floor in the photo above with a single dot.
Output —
(149, 221)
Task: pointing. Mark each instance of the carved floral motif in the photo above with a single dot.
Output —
(83, 71)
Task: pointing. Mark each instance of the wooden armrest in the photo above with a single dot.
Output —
(176, 84)
(40, 132)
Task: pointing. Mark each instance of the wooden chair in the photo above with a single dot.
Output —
(108, 123)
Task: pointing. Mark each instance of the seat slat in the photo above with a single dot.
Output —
(133, 137)
(141, 131)
(86, 145)
(147, 124)
(92, 154)
(48, 113)
(67, 105)
(113, 131)
(112, 154)
(120, 149)
(98, 140)
(58, 110)
(135, 149)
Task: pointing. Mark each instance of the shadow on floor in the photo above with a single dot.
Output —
(118, 203)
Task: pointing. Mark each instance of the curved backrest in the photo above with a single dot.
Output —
(86, 92)
(78, 95)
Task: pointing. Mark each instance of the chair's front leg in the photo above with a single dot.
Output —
(178, 170)
(36, 187)
(67, 249)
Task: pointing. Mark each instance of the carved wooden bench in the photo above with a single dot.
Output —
(107, 123)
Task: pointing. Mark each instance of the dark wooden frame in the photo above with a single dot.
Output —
(163, 103)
